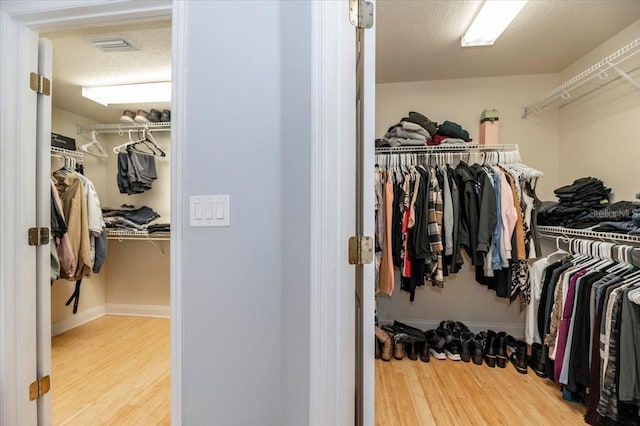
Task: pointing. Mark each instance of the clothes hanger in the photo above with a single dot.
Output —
(93, 142)
(151, 139)
(118, 148)
(559, 254)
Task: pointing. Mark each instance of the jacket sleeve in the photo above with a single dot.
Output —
(488, 216)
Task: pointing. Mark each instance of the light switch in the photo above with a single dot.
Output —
(219, 209)
(209, 210)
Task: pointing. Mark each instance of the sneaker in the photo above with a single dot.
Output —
(436, 341)
(452, 350)
(154, 115)
(165, 117)
(142, 116)
(128, 116)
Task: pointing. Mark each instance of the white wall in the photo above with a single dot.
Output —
(462, 101)
(138, 271)
(232, 278)
(599, 133)
(296, 122)
(135, 272)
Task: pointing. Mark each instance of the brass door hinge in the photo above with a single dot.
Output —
(40, 84)
(360, 250)
(38, 236)
(39, 388)
(361, 13)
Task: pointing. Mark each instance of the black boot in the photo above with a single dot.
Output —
(423, 350)
(519, 357)
(476, 350)
(510, 344)
(412, 353)
(489, 349)
(501, 349)
(535, 360)
(465, 340)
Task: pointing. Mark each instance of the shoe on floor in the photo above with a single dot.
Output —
(423, 351)
(436, 341)
(452, 350)
(519, 357)
(535, 360)
(465, 351)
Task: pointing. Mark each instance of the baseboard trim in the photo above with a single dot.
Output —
(138, 310)
(514, 329)
(78, 319)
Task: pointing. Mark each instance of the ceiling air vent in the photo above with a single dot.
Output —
(112, 43)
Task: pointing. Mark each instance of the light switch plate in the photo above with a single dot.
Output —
(209, 210)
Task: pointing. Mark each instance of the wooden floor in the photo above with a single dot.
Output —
(457, 393)
(116, 371)
(112, 371)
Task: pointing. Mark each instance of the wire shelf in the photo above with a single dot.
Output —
(468, 147)
(597, 71)
(137, 235)
(123, 127)
(559, 231)
(66, 152)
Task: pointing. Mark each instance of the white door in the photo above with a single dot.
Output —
(365, 153)
(43, 219)
(18, 281)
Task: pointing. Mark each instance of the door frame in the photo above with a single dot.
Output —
(21, 20)
(331, 398)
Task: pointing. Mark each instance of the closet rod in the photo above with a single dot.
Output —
(559, 231)
(598, 70)
(118, 128)
(471, 147)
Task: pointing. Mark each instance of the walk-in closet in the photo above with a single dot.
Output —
(111, 194)
(507, 214)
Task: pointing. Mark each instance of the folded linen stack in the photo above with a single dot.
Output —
(418, 130)
(578, 206)
(414, 130)
(128, 218)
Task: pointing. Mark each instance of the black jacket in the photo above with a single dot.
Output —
(488, 211)
(469, 209)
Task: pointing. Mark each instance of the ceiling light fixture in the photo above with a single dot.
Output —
(494, 17)
(129, 93)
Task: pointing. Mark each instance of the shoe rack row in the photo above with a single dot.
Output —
(454, 340)
(142, 116)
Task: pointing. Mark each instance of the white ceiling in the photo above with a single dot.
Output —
(416, 40)
(420, 40)
(77, 63)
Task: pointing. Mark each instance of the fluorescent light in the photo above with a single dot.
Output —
(129, 93)
(494, 17)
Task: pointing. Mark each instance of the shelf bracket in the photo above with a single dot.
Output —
(626, 76)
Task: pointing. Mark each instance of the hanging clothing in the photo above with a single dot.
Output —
(426, 216)
(74, 205)
(590, 334)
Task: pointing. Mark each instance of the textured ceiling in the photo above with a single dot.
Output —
(77, 63)
(420, 40)
(416, 40)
